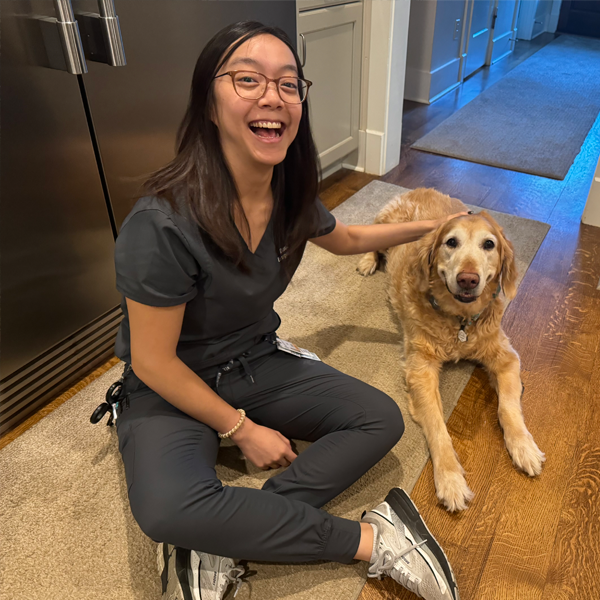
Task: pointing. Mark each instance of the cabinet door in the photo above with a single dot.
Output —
(478, 34)
(505, 29)
(541, 17)
(332, 39)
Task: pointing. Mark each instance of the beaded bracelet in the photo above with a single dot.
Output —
(239, 424)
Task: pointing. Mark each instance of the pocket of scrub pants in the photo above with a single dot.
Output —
(127, 450)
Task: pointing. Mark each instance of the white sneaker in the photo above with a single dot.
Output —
(174, 569)
(406, 551)
(212, 575)
(191, 575)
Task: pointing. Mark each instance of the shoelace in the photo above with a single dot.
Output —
(234, 575)
(387, 561)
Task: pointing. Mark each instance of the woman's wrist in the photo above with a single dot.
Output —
(230, 422)
(433, 224)
(242, 432)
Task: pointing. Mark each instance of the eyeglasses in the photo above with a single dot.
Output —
(251, 85)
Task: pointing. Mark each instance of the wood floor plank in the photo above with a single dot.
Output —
(341, 185)
(573, 571)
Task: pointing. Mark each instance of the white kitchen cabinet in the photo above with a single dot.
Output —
(330, 44)
(433, 64)
(477, 41)
(504, 29)
(534, 18)
(449, 40)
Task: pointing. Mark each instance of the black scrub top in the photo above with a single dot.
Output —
(163, 258)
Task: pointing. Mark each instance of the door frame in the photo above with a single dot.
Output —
(384, 52)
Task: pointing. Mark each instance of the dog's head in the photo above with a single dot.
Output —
(466, 254)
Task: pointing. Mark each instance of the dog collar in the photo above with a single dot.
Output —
(462, 334)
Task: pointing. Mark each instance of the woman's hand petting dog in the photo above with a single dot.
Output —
(453, 216)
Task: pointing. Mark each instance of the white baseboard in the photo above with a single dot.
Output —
(416, 86)
(427, 86)
(444, 78)
(374, 152)
(331, 169)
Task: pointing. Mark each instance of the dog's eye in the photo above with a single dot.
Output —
(488, 245)
(452, 243)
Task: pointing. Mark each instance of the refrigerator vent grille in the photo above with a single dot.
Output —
(54, 371)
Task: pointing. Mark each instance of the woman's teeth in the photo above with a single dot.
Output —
(266, 128)
(266, 124)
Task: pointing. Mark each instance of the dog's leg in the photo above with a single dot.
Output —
(368, 264)
(503, 366)
(425, 404)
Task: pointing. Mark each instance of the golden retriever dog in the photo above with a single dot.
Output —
(450, 290)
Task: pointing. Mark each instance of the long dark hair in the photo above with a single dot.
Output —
(199, 171)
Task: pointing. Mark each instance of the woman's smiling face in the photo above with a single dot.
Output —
(234, 115)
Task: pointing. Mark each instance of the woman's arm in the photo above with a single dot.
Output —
(356, 239)
(154, 335)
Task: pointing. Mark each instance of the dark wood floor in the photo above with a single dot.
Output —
(521, 538)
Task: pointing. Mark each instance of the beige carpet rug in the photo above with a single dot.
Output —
(65, 524)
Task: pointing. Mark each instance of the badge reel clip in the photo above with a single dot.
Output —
(113, 403)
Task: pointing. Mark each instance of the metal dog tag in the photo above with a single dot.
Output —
(462, 336)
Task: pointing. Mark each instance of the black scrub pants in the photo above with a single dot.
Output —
(170, 458)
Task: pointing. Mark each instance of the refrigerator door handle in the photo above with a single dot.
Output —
(112, 33)
(70, 39)
(103, 41)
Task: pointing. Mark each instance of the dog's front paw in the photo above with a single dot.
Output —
(368, 264)
(453, 492)
(525, 454)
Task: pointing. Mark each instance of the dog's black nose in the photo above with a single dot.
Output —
(467, 281)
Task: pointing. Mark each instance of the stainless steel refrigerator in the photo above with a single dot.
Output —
(92, 93)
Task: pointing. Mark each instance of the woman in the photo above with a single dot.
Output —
(200, 260)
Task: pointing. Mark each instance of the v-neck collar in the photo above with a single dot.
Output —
(262, 239)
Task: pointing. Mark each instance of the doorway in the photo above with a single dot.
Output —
(580, 17)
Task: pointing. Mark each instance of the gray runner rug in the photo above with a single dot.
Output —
(67, 530)
(535, 119)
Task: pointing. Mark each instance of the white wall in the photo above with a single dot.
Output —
(396, 87)
(381, 125)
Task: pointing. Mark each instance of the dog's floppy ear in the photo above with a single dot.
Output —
(508, 268)
(428, 246)
(508, 272)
